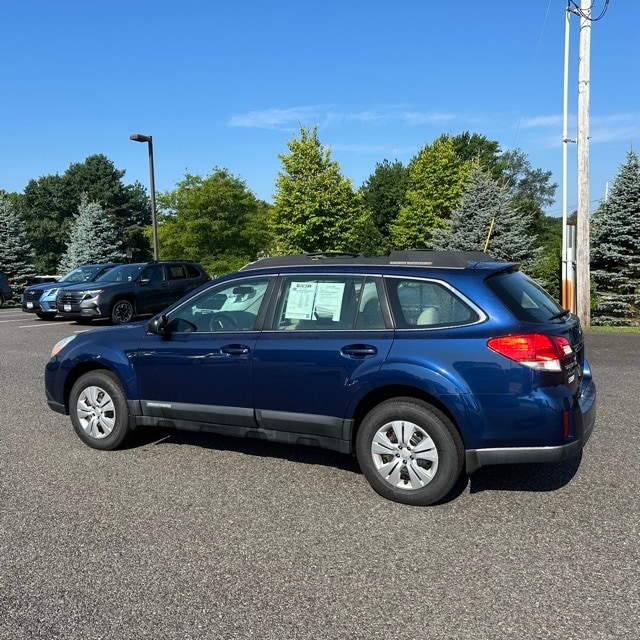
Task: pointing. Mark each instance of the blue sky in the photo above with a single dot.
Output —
(227, 83)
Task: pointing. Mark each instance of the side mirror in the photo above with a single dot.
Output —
(159, 325)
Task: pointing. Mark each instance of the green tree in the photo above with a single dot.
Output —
(16, 255)
(49, 204)
(615, 253)
(93, 238)
(436, 179)
(215, 220)
(546, 269)
(384, 193)
(316, 208)
(486, 216)
(479, 150)
(531, 190)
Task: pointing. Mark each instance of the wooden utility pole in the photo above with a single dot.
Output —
(583, 276)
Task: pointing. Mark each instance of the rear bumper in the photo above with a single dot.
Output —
(584, 416)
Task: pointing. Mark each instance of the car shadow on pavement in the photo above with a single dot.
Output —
(144, 437)
(543, 477)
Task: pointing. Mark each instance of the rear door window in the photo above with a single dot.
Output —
(311, 303)
(420, 304)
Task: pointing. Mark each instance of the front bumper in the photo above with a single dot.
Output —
(85, 309)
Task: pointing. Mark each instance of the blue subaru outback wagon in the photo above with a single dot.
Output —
(425, 365)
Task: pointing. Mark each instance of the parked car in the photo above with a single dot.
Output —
(40, 298)
(129, 290)
(423, 364)
(6, 292)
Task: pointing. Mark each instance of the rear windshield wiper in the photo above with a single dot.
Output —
(561, 314)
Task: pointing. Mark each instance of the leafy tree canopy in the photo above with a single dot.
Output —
(215, 220)
(316, 208)
(436, 178)
(384, 193)
(48, 206)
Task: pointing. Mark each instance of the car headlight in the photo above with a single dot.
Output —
(51, 292)
(92, 293)
(60, 345)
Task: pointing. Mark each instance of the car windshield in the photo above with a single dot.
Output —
(527, 300)
(123, 273)
(81, 274)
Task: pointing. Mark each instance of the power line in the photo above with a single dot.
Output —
(577, 10)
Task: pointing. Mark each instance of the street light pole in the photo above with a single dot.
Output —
(138, 137)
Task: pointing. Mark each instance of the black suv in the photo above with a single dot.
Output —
(131, 289)
(6, 293)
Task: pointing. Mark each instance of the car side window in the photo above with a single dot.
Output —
(228, 307)
(176, 272)
(153, 274)
(311, 303)
(192, 272)
(369, 310)
(419, 304)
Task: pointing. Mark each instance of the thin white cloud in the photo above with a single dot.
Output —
(541, 122)
(615, 128)
(418, 118)
(276, 118)
(328, 117)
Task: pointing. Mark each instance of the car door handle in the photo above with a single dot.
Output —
(359, 350)
(235, 349)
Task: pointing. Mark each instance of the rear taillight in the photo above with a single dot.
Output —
(535, 350)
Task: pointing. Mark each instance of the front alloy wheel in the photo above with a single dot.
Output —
(121, 312)
(410, 451)
(99, 410)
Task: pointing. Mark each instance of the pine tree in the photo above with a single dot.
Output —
(615, 253)
(16, 254)
(484, 200)
(92, 239)
(315, 207)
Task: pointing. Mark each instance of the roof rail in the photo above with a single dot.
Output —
(412, 257)
(429, 258)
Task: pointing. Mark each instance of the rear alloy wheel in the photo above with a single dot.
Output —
(99, 410)
(409, 451)
(121, 312)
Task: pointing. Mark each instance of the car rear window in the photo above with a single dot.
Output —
(527, 300)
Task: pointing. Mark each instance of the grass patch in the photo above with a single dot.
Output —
(600, 329)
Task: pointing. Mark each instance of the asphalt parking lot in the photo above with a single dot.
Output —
(186, 536)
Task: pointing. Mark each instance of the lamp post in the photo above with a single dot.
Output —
(138, 137)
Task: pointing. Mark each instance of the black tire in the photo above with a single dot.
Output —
(121, 311)
(99, 410)
(409, 451)
(46, 315)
